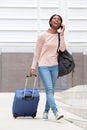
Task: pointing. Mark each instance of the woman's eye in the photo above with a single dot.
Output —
(56, 19)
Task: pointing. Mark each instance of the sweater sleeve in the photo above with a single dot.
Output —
(62, 43)
(38, 48)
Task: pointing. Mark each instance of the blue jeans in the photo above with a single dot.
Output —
(48, 76)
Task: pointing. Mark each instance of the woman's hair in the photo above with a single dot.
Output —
(52, 18)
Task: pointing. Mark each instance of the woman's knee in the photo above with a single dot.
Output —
(49, 91)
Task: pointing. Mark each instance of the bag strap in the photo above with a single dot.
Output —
(58, 42)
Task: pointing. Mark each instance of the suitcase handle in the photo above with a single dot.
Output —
(26, 82)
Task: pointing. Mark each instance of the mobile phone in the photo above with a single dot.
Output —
(61, 26)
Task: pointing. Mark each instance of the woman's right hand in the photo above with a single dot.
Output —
(32, 72)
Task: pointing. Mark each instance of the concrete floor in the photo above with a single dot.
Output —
(24, 123)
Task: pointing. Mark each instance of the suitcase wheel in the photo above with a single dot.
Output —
(15, 115)
(34, 115)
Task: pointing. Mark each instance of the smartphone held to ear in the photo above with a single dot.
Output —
(61, 26)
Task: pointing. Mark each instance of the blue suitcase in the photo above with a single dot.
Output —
(26, 101)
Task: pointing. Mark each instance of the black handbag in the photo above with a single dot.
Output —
(65, 61)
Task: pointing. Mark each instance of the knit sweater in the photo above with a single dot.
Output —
(45, 53)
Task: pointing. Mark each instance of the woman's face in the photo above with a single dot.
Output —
(55, 22)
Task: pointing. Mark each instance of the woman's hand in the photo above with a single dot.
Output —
(32, 72)
(62, 30)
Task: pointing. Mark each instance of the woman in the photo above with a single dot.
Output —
(45, 57)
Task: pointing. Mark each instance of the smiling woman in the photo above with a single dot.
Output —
(45, 56)
(56, 19)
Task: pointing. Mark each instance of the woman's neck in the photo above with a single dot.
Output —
(53, 31)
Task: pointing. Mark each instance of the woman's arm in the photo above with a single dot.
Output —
(62, 41)
(36, 56)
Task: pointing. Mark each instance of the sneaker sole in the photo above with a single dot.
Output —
(60, 117)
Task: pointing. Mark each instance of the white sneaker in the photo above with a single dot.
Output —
(59, 116)
(45, 116)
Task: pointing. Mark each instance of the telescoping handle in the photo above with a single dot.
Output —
(26, 82)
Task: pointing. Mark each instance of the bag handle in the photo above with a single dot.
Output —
(59, 42)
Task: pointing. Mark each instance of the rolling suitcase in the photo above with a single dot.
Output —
(25, 102)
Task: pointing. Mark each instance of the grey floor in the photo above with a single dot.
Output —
(8, 122)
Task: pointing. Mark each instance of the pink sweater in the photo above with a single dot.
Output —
(46, 50)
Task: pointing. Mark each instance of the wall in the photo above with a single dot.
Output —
(15, 66)
(20, 23)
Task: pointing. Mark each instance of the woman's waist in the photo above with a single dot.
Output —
(47, 63)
